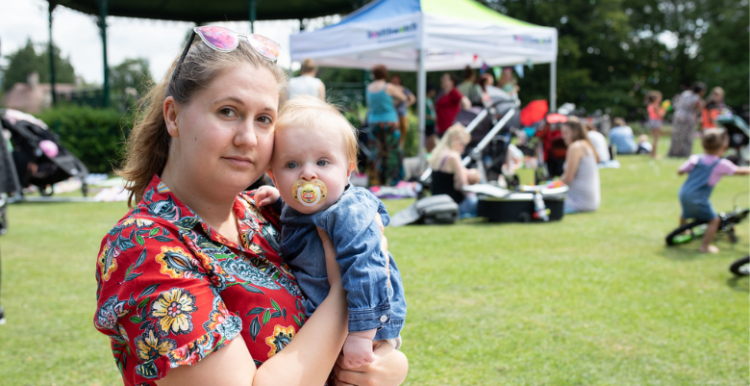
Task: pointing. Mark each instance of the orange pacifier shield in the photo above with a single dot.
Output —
(309, 193)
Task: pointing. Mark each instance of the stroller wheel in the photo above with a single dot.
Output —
(46, 190)
(741, 267)
(3, 221)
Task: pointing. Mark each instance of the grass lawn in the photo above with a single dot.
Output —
(596, 299)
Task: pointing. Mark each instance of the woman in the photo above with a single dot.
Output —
(387, 155)
(685, 120)
(402, 109)
(192, 274)
(449, 103)
(470, 88)
(714, 106)
(449, 175)
(581, 172)
(306, 83)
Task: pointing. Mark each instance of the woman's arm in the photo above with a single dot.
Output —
(572, 159)
(465, 103)
(460, 177)
(410, 99)
(396, 92)
(322, 91)
(307, 360)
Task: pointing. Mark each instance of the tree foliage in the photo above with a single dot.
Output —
(611, 52)
(26, 60)
(130, 74)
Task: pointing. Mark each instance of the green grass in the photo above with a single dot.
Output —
(596, 299)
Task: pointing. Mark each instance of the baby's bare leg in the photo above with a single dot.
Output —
(358, 348)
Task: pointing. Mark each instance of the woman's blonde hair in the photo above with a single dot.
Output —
(457, 132)
(579, 133)
(147, 146)
(312, 113)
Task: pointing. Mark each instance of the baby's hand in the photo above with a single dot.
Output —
(266, 195)
(358, 349)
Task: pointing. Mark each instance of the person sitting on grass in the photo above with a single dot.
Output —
(449, 174)
(622, 137)
(581, 173)
(704, 172)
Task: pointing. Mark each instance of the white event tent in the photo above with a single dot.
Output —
(428, 35)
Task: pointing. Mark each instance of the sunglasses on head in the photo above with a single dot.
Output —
(225, 40)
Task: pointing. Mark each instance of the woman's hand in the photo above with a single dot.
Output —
(389, 368)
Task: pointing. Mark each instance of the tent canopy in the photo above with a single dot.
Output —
(453, 33)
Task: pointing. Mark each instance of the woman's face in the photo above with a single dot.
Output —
(567, 134)
(446, 83)
(223, 137)
(458, 146)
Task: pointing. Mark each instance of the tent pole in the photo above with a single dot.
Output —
(103, 28)
(422, 93)
(553, 86)
(252, 16)
(421, 96)
(52, 5)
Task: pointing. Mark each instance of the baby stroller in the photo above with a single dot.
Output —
(739, 136)
(33, 166)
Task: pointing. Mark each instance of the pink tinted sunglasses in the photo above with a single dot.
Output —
(225, 40)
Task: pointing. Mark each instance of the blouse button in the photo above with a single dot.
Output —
(383, 318)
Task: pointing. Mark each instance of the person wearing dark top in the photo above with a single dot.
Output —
(449, 175)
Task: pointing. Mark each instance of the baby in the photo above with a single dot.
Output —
(704, 172)
(315, 152)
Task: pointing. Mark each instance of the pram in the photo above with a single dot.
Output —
(27, 133)
(739, 136)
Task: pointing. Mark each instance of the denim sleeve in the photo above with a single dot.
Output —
(364, 275)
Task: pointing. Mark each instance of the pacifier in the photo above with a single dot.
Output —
(309, 193)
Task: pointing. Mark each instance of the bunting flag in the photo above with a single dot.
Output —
(497, 71)
(519, 69)
(484, 68)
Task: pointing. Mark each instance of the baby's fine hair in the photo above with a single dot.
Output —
(652, 96)
(714, 139)
(312, 113)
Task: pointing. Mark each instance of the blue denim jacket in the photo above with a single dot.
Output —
(374, 302)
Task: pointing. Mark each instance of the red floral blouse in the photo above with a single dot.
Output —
(170, 290)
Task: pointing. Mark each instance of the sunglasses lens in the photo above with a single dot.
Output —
(265, 46)
(219, 38)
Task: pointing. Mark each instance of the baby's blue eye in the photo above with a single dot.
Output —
(291, 165)
(323, 163)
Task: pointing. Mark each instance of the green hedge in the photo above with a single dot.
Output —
(95, 136)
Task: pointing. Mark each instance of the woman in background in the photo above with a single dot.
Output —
(306, 83)
(581, 172)
(387, 155)
(685, 121)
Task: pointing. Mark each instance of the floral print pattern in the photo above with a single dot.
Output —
(173, 309)
(171, 290)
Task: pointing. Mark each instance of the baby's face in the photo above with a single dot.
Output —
(308, 154)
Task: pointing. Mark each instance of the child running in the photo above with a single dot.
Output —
(705, 171)
(315, 152)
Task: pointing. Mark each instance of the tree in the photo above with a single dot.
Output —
(131, 73)
(26, 60)
(611, 52)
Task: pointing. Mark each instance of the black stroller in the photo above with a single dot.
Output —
(32, 165)
(739, 136)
